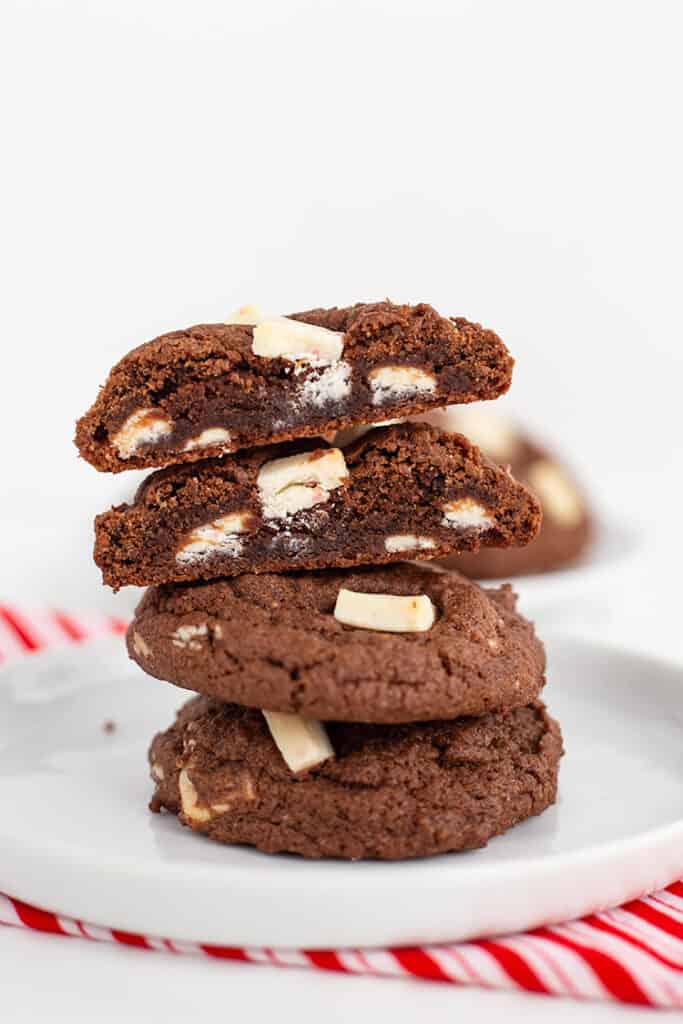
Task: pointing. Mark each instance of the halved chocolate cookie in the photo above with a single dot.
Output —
(407, 491)
(388, 792)
(216, 388)
(394, 643)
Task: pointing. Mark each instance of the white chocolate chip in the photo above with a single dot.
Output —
(288, 544)
(494, 435)
(466, 513)
(247, 315)
(393, 382)
(195, 811)
(303, 742)
(387, 613)
(158, 772)
(343, 438)
(296, 341)
(142, 427)
(187, 636)
(189, 800)
(331, 384)
(210, 436)
(300, 481)
(139, 646)
(559, 498)
(221, 536)
(408, 542)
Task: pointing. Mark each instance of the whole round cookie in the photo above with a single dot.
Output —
(283, 643)
(567, 527)
(390, 791)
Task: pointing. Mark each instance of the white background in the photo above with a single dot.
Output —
(515, 163)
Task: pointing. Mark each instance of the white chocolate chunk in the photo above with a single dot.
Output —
(206, 541)
(241, 788)
(343, 438)
(493, 434)
(142, 427)
(408, 542)
(158, 772)
(392, 382)
(300, 481)
(466, 513)
(139, 645)
(332, 384)
(221, 536)
(247, 788)
(188, 636)
(247, 315)
(559, 498)
(288, 543)
(212, 435)
(296, 341)
(189, 800)
(387, 613)
(303, 742)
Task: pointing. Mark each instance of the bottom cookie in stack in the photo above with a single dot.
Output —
(404, 715)
(389, 792)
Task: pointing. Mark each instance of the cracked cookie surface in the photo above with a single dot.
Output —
(272, 641)
(391, 791)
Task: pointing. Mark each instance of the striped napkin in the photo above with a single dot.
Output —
(630, 954)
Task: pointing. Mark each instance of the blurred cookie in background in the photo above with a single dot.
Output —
(567, 527)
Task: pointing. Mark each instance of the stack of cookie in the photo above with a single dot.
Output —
(351, 704)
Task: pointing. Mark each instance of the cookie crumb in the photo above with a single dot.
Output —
(109, 726)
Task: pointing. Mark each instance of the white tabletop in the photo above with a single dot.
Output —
(50, 978)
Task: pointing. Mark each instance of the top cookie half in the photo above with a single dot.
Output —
(216, 388)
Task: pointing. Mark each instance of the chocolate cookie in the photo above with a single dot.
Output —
(567, 528)
(280, 642)
(215, 388)
(391, 791)
(400, 492)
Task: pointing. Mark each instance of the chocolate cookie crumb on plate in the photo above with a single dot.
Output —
(391, 791)
(399, 492)
(215, 388)
(272, 641)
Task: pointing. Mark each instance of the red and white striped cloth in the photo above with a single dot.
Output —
(631, 954)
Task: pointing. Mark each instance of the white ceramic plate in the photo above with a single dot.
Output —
(76, 836)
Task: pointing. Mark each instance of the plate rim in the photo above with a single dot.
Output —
(385, 877)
